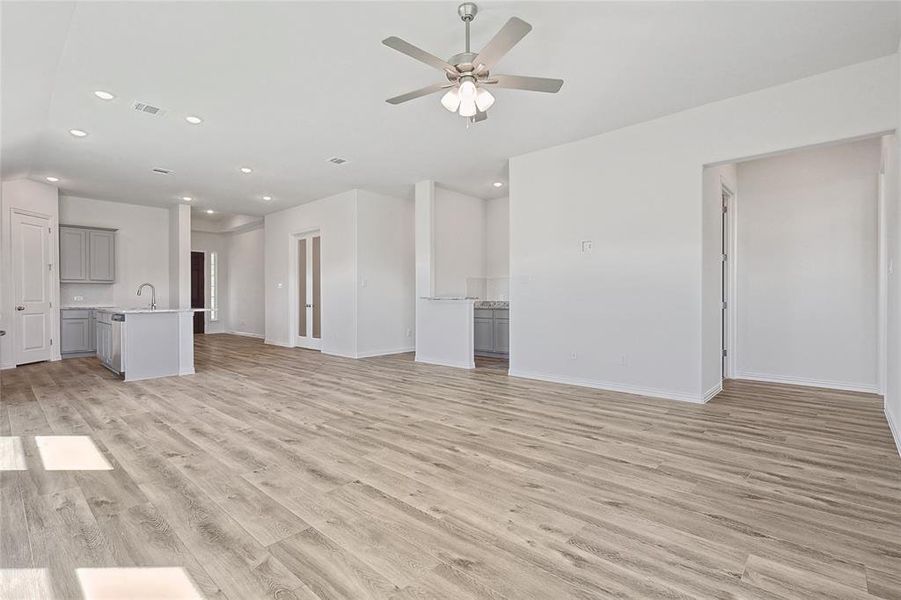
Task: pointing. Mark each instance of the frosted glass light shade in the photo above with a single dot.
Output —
(468, 91)
(451, 100)
(484, 99)
(467, 107)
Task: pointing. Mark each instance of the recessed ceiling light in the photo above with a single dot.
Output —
(498, 184)
(210, 211)
(78, 132)
(267, 198)
(187, 198)
(246, 170)
(52, 179)
(103, 95)
(194, 120)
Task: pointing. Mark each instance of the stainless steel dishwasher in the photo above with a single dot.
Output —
(117, 327)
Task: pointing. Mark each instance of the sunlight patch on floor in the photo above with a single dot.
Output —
(33, 584)
(137, 583)
(12, 456)
(70, 453)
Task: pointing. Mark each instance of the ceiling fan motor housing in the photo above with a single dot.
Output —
(467, 11)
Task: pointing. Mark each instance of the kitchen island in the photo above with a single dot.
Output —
(143, 343)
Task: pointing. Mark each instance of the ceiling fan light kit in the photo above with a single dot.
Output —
(469, 75)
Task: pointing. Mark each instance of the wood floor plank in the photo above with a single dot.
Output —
(285, 473)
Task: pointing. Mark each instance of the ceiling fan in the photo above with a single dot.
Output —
(469, 74)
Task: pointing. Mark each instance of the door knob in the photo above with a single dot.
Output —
(309, 306)
(20, 308)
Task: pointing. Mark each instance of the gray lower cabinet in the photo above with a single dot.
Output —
(77, 332)
(87, 254)
(484, 335)
(104, 342)
(492, 331)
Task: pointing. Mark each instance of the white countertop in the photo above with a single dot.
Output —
(147, 310)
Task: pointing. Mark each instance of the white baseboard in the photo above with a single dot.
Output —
(372, 353)
(896, 429)
(445, 363)
(5, 366)
(245, 334)
(818, 383)
(712, 392)
(609, 386)
(272, 342)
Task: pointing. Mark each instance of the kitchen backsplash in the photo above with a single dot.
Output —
(73, 294)
(488, 288)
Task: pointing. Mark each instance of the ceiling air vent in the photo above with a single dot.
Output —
(337, 160)
(163, 171)
(150, 109)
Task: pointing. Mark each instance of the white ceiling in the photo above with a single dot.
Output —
(283, 86)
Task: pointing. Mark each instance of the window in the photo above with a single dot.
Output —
(214, 283)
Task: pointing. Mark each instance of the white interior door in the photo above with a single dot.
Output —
(31, 287)
(309, 296)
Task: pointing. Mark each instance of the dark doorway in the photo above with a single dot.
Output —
(197, 289)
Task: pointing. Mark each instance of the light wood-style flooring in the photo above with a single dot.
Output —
(282, 473)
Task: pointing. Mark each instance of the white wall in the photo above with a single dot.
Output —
(497, 237)
(807, 255)
(246, 282)
(142, 251)
(459, 241)
(335, 218)
(892, 177)
(24, 194)
(631, 311)
(385, 274)
(714, 178)
(218, 243)
(180, 256)
(497, 248)
(354, 323)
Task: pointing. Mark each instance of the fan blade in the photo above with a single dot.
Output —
(532, 84)
(431, 89)
(418, 53)
(480, 116)
(513, 30)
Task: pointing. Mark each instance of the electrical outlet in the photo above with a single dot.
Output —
(587, 246)
(364, 282)
(572, 356)
(409, 332)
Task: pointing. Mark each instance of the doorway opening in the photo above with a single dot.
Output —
(802, 268)
(727, 196)
(308, 308)
(198, 296)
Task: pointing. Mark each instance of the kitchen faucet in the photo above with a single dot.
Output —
(152, 294)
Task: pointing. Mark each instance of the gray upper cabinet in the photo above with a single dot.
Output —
(87, 254)
(73, 254)
(102, 256)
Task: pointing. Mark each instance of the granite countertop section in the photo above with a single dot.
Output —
(84, 306)
(147, 310)
(498, 304)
